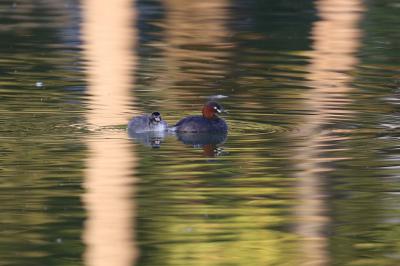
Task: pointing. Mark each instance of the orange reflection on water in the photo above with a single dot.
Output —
(108, 41)
(108, 36)
(336, 40)
(109, 227)
(195, 34)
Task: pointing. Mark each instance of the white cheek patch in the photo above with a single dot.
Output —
(217, 109)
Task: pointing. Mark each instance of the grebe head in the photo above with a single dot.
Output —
(211, 109)
(155, 117)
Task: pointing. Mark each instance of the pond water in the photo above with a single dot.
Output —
(309, 173)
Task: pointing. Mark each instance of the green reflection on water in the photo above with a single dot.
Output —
(237, 209)
(41, 154)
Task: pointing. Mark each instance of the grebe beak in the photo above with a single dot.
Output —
(222, 110)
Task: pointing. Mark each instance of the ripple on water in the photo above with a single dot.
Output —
(238, 127)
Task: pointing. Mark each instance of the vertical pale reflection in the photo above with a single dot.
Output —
(108, 33)
(336, 38)
(195, 34)
(108, 44)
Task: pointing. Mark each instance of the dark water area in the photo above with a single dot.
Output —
(308, 173)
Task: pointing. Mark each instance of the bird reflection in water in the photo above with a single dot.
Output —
(209, 142)
(151, 139)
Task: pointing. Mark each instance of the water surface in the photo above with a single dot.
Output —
(307, 175)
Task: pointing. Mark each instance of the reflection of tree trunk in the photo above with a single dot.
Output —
(195, 43)
(109, 229)
(107, 34)
(108, 201)
(336, 39)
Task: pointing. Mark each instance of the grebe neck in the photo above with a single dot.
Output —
(208, 112)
